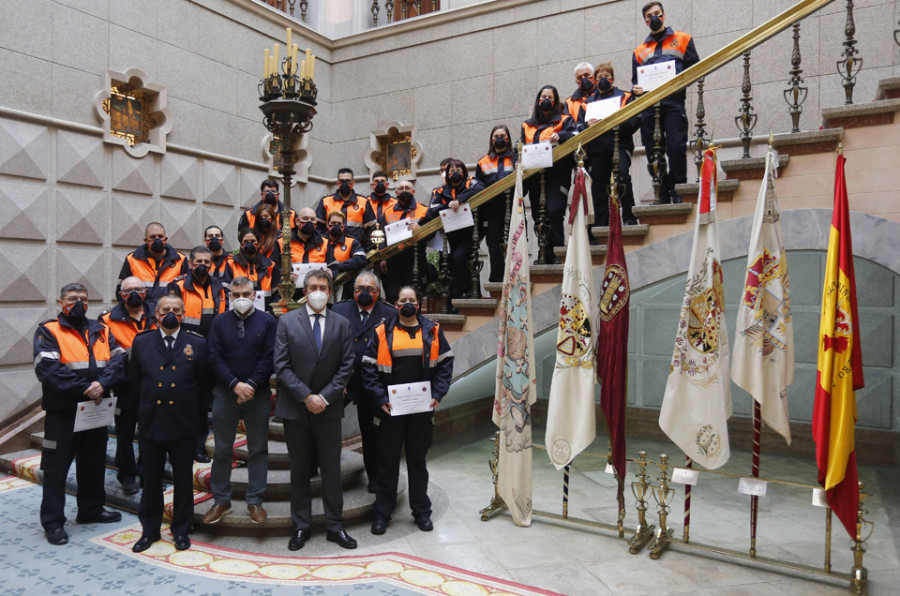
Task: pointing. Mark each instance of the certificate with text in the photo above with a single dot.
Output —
(537, 155)
(598, 110)
(457, 219)
(397, 231)
(90, 415)
(301, 269)
(652, 76)
(410, 398)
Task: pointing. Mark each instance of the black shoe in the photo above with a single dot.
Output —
(424, 523)
(182, 543)
(341, 538)
(144, 543)
(379, 526)
(130, 487)
(56, 536)
(104, 517)
(630, 221)
(299, 540)
(202, 457)
(372, 487)
(674, 197)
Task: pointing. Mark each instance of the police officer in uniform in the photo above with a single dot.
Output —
(76, 360)
(168, 368)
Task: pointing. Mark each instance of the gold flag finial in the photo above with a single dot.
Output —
(771, 139)
(580, 154)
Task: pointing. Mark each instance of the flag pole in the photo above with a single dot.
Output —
(754, 500)
(689, 464)
(565, 508)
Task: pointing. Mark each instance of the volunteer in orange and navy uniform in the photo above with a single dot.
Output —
(343, 252)
(355, 208)
(407, 349)
(265, 274)
(584, 79)
(437, 190)
(125, 320)
(268, 195)
(665, 45)
(458, 189)
(380, 200)
(307, 245)
(76, 360)
(214, 239)
(550, 122)
(499, 162)
(600, 152)
(397, 271)
(155, 262)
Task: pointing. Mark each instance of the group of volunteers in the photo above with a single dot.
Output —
(190, 334)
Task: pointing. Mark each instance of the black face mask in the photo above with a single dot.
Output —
(500, 145)
(380, 188)
(604, 85)
(456, 178)
(270, 199)
(364, 298)
(214, 244)
(264, 224)
(76, 313)
(249, 249)
(405, 198)
(200, 272)
(546, 104)
(157, 246)
(308, 228)
(335, 231)
(586, 85)
(170, 321)
(655, 23)
(408, 310)
(344, 188)
(134, 299)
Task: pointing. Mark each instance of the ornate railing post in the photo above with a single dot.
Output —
(542, 223)
(849, 67)
(444, 276)
(389, 8)
(506, 219)
(746, 120)
(304, 4)
(795, 95)
(656, 163)
(475, 262)
(700, 141)
(375, 12)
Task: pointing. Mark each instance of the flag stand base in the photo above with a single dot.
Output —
(496, 505)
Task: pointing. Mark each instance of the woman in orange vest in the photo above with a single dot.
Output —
(499, 162)
(264, 273)
(268, 232)
(550, 122)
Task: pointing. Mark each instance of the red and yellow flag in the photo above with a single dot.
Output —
(840, 371)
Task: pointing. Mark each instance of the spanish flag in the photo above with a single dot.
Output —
(840, 371)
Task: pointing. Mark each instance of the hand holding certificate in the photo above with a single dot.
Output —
(301, 269)
(457, 219)
(652, 76)
(92, 415)
(397, 231)
(410, 398)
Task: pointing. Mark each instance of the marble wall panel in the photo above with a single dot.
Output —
(182, 223)
(180, 176)
(19, 389)
(561, 37)
(129, 48)
(33, 16)
(33, 91)
(86, 265)
(17, 327)
(25, 206)
(80, 159)
(225, 218)
(610, 27)
(71, 27)
(135, 175)
(80, 215)
(24, 149)
(26, 268)
(220, 183)
(130, 215)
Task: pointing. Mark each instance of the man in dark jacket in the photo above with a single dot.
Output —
(76, 360)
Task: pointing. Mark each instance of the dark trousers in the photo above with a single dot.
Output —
(202, 431)
(153, 463)
(126, 421)
(674, 128)
(400, 271)
(61, 445)
(557, 181)
(415, 432)
(324, 436)
(460, 243)
(226, 413)
(492, 221)
(368, 432)
(601, 169)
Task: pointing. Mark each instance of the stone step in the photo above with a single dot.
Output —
(663, 214)
(806, 143)
(859, 115)
(726, 192)
(495, 288)
(888, 88)
(630, 234)
(476, 307)
(546, 273)
(449, 322)
(278, 455)
(752, 168)
(598, 253)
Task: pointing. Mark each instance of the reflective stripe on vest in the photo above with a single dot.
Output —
(392, 215)
(536, 134)
(124, 331)
(299, 254)
(354, 212)
(197, 303)
(403, 345)
(147, 271)
(262, 280)
(73, 348)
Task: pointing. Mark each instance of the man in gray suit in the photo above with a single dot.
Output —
(314, 362)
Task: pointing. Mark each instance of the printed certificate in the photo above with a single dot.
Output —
(652, 76)
(410, 398)
(90, 415)
(397, 231)
(537, 156)
(458, 219)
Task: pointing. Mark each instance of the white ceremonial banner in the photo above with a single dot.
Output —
(91, 415)
(651, 76)
(397, 231)
(697, 401)
(410, 398)
(537, 156)
(457, 219)
(763, 362)
(301, 269)
(598, 110)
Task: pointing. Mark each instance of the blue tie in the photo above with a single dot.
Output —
(317, 333)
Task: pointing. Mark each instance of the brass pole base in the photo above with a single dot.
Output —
(497, 505)
(660, 543)
(640, 539)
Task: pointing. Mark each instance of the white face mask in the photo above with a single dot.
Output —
(317, 300)
(243, 306)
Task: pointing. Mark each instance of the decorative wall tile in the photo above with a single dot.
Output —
(220, 183)
(25, 207)
(81, 159)
(135, 175)
(130, 215)
(180, 176)
(24, 149)
(227, 219)
(80, 215)
(19, 389)
(83, 265)
(181, 223)
(17, 327)
(26, 268)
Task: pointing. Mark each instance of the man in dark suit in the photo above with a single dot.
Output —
(314, 361)
(168, 368)
(365, 312)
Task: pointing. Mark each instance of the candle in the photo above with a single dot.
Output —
(312, 67)
(288, 46)
(275, 59)
(302, 69)
(294, 59)
(266, 64)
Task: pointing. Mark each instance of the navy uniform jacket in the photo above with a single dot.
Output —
(362, 336)
(172, 385)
